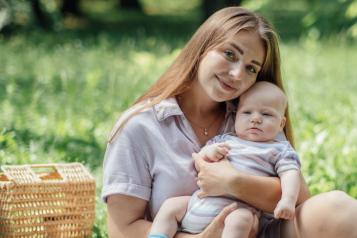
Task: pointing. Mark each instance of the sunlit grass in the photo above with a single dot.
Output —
(321, 86)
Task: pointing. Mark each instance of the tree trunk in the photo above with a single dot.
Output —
(130, 5)
(40, 16)
(70, 7)
(233, 2)
(211, 6)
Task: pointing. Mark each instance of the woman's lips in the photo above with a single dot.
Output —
(224, 85)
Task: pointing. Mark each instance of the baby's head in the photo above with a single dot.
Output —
(260, 115)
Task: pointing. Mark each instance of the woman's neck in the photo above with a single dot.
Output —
(196, 104)
(205, 115)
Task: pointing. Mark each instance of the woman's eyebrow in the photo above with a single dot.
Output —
(237, 48)
(242, 53)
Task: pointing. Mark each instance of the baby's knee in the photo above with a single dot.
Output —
(175, 205)
(240, 219)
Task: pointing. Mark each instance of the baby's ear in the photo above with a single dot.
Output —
(282, 123)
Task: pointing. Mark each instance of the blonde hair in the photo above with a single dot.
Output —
(214, 31)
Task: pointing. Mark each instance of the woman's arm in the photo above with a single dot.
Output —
(126, 217)
(221, 178)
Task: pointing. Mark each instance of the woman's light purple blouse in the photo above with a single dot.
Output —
(151, 158)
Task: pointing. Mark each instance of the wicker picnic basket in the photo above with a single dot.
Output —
(53, 200)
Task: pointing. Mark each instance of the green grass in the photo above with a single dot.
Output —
(61, 92)
(321, 85)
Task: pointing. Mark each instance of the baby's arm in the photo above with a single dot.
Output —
(290, 186)
(215, 152)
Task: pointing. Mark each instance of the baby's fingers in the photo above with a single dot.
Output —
(224, 145)
(222, 151)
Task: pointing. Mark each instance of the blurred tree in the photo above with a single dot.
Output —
(5, 17)
(330, 16)
(317, 18)
(210, 6)
(130, 5)
(70, 7)
(40, 16)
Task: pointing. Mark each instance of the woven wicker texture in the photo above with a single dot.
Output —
(53, 200)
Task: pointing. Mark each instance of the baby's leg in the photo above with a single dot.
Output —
(239, 224)
(171, 212)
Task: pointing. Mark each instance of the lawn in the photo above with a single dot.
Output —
(61, 92)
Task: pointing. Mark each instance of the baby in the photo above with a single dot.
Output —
(255, 150)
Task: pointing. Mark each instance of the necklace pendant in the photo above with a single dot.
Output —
(205, 131)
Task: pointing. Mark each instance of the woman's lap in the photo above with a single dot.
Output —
(269, 227)
(331, 214)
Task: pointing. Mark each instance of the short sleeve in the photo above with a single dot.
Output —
(125, 169)
(288, 159)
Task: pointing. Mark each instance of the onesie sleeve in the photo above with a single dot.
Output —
(217, 139)
(126, 168)
(287, 159)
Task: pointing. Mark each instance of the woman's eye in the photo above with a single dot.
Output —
(229, 54)
(251, 69)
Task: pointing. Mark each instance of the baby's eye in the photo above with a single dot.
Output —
(230, 54)
(267, 114)
(251, 69)
(246, 112)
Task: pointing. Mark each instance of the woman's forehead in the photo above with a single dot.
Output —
(247, 42)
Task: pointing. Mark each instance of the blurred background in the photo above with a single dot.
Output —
(69, 68)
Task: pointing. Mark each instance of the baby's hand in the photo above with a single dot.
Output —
(215, 152)
(284, 210)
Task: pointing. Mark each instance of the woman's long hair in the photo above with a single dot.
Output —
(222, 25)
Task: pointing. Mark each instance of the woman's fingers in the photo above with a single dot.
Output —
(215, 228)
(199, 161)
(201, 194)
(226, 210)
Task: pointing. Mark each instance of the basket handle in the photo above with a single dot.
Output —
(27, 173)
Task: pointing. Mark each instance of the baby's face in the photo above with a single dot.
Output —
(259, 118)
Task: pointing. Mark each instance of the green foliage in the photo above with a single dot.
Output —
(164, 6)
(331, 16)
(321, 18)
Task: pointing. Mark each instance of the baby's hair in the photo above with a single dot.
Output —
(262, 86)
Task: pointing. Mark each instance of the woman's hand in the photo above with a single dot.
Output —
(215, 229)
(214, 179)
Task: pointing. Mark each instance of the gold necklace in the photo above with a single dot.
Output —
(205, 129)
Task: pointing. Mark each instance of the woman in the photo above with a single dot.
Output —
(148, 158)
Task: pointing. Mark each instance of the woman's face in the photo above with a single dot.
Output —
(231, 68)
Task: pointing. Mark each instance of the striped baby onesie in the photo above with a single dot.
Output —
(256, 158)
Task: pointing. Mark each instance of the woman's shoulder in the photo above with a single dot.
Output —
(134, 118)
(144, 117)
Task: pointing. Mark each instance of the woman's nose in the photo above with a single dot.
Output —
(236, 71)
